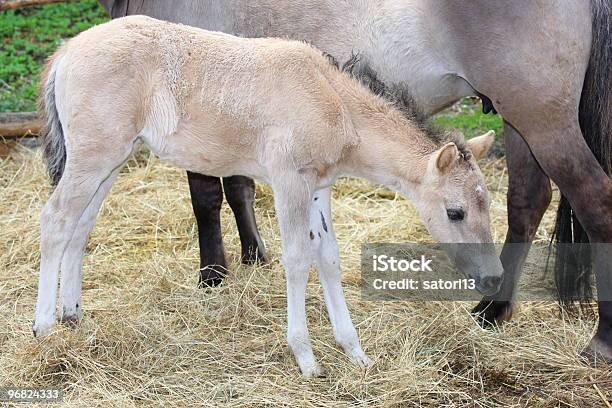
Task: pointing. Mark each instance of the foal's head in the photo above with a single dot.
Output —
(454, 205)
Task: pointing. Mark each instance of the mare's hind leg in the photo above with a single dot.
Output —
(71, 277)
(240, 194)
(206, 199)
(559, 147)
(529, 195)
(84, 174)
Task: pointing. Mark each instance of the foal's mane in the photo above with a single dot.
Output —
(401, 99)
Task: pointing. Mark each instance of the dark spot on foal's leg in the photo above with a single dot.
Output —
(311, 235)
(323, 223)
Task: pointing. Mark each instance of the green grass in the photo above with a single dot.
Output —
(467, 116)
(28, 37)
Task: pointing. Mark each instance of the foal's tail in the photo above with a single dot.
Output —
(573, 272)
(53, 144)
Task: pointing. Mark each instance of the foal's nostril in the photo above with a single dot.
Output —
(491, 283)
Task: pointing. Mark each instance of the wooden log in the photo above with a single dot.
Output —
(15, 4)
(18, 124)
(5, 148)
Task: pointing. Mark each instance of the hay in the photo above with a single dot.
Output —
(150, 337)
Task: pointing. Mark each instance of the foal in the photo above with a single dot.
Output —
(271, 109)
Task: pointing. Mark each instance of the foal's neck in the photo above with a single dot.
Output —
(393, 150)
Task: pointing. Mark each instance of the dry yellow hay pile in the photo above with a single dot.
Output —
(150, 337)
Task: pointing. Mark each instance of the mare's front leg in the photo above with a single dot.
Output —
(206, 199)
(529, 195)
(327, 260)
(240, 194)
(292, 195)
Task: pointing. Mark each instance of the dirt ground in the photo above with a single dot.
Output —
(150, 337)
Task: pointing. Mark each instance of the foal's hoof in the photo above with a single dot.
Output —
(362, 360)
(597, 352)
(212, 276)
(71, 321)
(313, 371)
(354, 352)
(42, 330)
(491, 313)
(71, 315)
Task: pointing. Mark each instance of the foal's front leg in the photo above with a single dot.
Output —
(327, 260)
(292, 194)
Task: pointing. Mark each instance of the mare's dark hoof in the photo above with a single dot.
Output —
(255, 255)
(212, 276)
(597, 353)
(492, 313)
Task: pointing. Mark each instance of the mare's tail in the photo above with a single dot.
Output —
(573, 272)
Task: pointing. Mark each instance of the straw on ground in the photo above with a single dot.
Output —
(150, 337)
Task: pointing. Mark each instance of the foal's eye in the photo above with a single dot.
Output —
(455, 214)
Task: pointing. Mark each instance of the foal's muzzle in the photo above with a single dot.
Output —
(489, 285)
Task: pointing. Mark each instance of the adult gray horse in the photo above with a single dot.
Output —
(542, 64)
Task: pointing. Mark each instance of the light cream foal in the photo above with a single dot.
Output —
(271, 109)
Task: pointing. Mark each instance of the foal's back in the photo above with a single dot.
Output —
(203, 100)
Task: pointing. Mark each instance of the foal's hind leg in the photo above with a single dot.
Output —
(71, 275)
(529, 195)
(82, 179)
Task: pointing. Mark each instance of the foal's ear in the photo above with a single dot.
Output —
(479, 146)
(446, 157)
